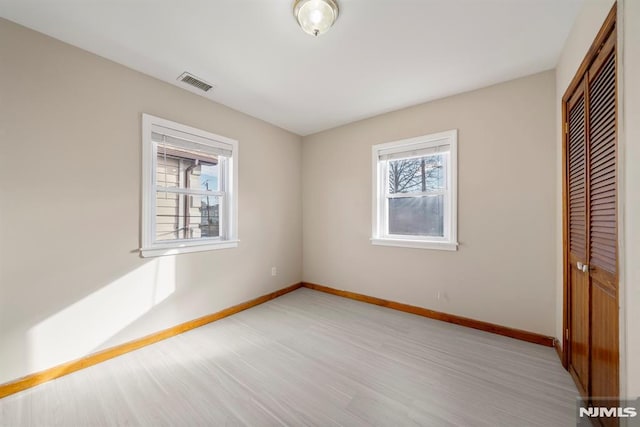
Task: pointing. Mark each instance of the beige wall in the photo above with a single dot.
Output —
(71, 279)
(630, 151)
(504, 270)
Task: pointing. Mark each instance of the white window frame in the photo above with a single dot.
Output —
(379, 232)
(229, 208)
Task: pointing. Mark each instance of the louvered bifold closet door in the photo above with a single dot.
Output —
(590, 233)
(602, 217)
(577, 230)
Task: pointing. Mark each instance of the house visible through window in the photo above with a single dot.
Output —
(414, 195)
(188, 189)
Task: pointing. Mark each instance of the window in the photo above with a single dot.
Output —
(414, 192)
(189, 194)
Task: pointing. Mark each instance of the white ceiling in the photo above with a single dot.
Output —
(380, 55)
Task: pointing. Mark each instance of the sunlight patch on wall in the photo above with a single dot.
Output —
(79, 329)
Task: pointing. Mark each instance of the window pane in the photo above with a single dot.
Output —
(180, 216)
(206, 177)
(418, 174)
(168, 172)
(208, 215)
(418, 216)
(181, 168)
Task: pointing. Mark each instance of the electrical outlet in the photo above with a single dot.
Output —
(274, 271)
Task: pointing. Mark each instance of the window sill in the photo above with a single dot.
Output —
(417, 244)
(187, 248)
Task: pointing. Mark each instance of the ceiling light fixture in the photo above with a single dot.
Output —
(315, 16)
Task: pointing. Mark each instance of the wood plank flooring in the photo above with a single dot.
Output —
(309, 358)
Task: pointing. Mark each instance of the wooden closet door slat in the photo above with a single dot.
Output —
(577, 175)
(602, 165)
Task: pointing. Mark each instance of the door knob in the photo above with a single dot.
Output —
(580, 265)
(585, 268)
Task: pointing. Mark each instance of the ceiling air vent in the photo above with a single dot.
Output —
(194, 81)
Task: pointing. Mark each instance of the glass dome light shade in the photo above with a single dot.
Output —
(315, 17)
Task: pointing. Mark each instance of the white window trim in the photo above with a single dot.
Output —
(149, 247)
(378, 210)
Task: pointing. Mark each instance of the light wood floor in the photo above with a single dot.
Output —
(310, 358)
